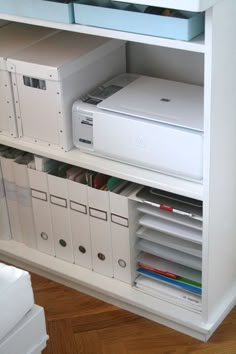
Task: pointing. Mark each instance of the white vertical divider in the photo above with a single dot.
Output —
(219, 226)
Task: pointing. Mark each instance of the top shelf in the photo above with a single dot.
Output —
(195, 45)
(186, 5)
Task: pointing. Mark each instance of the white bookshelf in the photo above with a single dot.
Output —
(214, 57)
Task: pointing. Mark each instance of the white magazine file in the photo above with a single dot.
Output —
(80, 223)
(100, 231)
(58, 196)
(42, 213)
(11, 198)
(24, 200)
(5, 231)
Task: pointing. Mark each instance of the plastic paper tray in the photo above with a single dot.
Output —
(40, 9)
(132, 18)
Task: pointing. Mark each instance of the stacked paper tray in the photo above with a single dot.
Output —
(40, 9)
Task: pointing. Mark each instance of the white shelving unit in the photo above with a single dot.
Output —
(207, 60)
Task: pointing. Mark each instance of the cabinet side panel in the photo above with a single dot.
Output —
(166, 63)
(219, 235)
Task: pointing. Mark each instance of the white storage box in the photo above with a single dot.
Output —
(16, 297)
(28, 336)
(13, 38)
(38, 182)
(48, 76)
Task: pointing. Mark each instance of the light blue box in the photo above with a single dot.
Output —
(40, 9)
(131, 18)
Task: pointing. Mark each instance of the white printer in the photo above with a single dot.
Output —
(148, 122)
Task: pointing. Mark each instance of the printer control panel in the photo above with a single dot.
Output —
(84, 109)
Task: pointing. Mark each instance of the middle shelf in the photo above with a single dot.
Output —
(131, 173)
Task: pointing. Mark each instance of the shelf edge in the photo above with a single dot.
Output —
(196, 45)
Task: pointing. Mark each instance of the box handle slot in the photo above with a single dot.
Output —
(34, 83)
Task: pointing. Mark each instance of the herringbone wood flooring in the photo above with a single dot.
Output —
(80, 324)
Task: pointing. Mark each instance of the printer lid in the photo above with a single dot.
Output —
(159, 100)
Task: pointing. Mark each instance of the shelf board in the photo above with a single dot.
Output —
(113, 168)
(195, 45)
(82, 278)
(186, 5)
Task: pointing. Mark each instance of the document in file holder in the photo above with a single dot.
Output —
(169, 254)
(170, 241)
(169, 228)
(167, 292)
(172, 202)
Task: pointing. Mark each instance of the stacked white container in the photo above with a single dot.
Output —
(48, 76)
(13, 38)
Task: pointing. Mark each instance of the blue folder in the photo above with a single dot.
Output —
(171, 281)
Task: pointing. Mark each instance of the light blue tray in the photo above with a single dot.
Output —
(40, 9)
(131, 18)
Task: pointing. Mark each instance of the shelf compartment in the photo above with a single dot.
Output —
(38, 9)
(171, 228)
(170, 241)
(170, 254)
(165, 215)
(113, 168)
(133, 18)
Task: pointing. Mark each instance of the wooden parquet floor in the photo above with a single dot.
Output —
(80, 324)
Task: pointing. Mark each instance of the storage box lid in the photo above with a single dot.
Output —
(16, 36)
(160, 100)
(61, 55)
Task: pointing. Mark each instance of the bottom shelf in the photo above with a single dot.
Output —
(107, 289)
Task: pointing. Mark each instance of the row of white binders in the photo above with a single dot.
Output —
(76, 215)
(142, 236)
